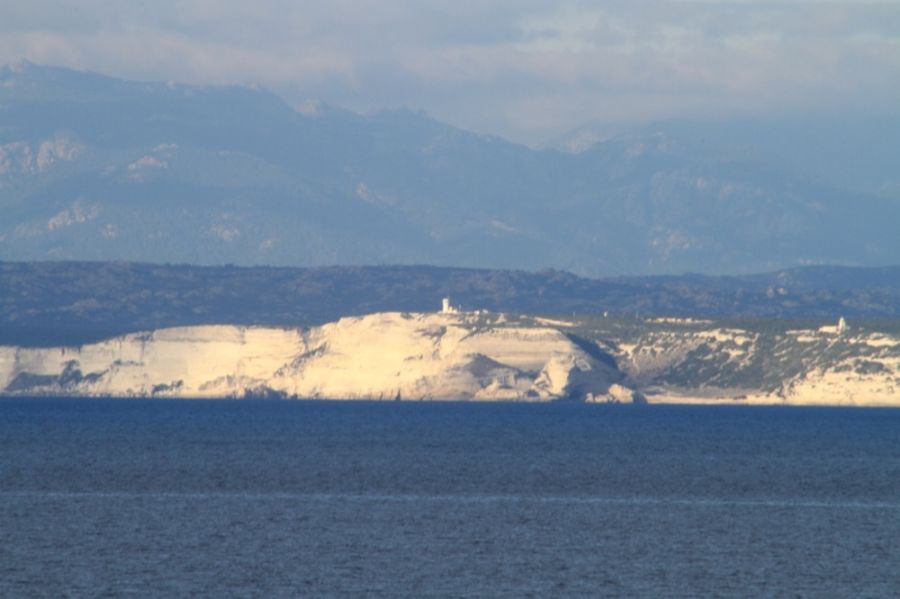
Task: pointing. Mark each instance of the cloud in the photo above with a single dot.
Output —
(520, 68)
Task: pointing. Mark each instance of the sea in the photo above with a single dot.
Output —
(259, 498)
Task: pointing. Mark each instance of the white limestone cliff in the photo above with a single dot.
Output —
(456, 355)
(379, 356)
(700, 362)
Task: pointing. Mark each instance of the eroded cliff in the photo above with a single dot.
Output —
(379, 356)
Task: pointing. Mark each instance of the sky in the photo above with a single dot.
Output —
(527, 70)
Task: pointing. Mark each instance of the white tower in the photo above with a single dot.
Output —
(841, 325)
(445, 306)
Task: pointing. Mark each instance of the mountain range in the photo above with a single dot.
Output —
(96, 168)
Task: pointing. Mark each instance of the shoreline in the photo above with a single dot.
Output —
(762, 401)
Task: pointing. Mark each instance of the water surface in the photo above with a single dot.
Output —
(231, 498)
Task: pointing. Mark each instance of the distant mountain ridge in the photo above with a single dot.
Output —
(96, 168)
(65, 303)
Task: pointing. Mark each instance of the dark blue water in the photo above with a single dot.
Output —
(452, 500)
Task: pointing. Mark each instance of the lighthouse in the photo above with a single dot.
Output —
(841, 325)
(446, 308)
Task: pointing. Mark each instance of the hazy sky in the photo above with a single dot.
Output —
(524, 69)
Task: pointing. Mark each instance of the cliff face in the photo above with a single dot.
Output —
(380, 356)
(679, 360)
(479, 356)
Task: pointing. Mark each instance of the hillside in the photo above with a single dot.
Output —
(95, 168)
(61, 303)
(675, 360)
